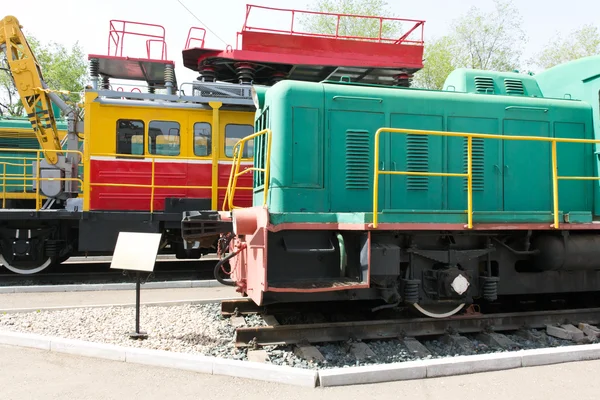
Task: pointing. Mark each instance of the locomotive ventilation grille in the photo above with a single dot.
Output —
(417, 160)
(513, 86)
(477, 157)
(260, 148)
(357, 159)
(484, 84)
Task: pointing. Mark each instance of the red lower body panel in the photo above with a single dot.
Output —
(109, 178)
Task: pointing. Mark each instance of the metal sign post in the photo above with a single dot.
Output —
(136, 252)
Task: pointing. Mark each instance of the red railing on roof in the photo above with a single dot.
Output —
(119, 29)
(417, 26)
(199, 37)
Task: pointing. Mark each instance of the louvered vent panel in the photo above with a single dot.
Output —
(478, 162)
(417, 160)
(19, 142)
(514, 86)
(357, 159)
(260, 146)
(484, 85)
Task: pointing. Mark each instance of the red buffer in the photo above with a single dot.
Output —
(267, 55)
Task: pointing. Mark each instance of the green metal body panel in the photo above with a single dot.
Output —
(16, 133)
(322, 155)
(579, 79)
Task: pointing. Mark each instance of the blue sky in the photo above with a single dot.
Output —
(67, 21)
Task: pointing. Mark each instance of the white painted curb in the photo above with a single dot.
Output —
(108, 286)
(148, 304)
(457, 365)
(190, 362)
(304, 377)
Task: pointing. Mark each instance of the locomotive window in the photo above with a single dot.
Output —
(163, 138)
(233, 133)
(130, 136)
(202, 139)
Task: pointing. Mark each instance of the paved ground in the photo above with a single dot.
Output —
(57, 299)
(38, 374)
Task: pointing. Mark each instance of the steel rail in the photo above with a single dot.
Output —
(413, 327)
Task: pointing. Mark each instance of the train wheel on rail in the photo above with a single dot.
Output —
(26, 267)
(438, 310)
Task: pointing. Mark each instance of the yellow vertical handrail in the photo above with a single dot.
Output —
(238, 151)
(237, 171)
(24, 176)
(215, 146)
(555, 183)
(231, 173)
(376, 179)
(37, 182)
(470, 182)
(4, 185)
(152, 188)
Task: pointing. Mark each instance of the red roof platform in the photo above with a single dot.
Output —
(148, 65)
(266, 55)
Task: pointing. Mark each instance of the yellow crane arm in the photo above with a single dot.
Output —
(29, 82)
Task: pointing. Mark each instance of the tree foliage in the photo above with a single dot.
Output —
(62, 68)
(439, 60)
(480, 40)
(582, 42)
(355, 27)
(493, 40)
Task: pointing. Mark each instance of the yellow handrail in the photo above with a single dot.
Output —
(25, 178)
(238, 150)
(469, 174)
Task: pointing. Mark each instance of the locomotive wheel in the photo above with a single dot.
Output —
(438, 310)
(26, 267)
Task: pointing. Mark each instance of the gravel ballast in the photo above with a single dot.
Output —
(200, 329)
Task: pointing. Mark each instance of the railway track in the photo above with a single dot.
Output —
(98, 272)
(465, 334)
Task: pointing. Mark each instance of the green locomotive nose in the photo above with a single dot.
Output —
(431, 199)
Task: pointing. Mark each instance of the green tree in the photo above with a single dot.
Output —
(582, 42)
(62, 68)
(356, 27)
(438, 62)
(490, 41)
(479, 40)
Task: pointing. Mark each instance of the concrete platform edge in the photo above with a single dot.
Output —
(409, 370)
(159, 358)
(149, 303)
(107, 286)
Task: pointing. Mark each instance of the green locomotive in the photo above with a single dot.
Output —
(485, 189)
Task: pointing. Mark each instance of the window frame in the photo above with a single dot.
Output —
(150, 142)
(118, 140)
(251, 126)
(210, 139)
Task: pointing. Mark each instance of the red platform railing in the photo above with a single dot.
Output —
(195, 37)
(120, 28)
(416, 26)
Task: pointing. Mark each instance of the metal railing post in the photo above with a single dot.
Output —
(376, 179)
(555, 184)
(470, 182)
(267, 169)
(152, 188)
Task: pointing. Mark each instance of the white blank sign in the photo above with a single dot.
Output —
(136, 251)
